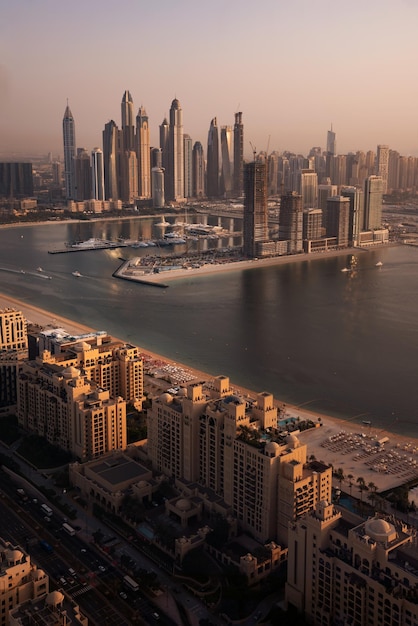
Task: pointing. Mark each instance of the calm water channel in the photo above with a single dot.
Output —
(345, 344)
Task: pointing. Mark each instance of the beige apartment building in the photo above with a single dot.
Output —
(64, 406)
(230, 445)
(75, 392)
(13, 348)
(344, 570)
(20, 579)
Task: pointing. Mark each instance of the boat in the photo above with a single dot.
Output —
(76, 273)
(39, 269)
(139, 244)
(379, 264)
(352, 266)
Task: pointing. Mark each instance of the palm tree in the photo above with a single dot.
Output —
(350, 482)
(372, 497)
(339, 475)
(362, 487)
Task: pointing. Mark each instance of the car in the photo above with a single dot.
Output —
(83, 550)
(102, 568)
(155, 615)
(123, 595)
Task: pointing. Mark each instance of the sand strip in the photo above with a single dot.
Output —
(354, 447)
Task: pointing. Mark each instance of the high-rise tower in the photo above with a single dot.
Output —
(110, 160)
(143, 154)
(373, 195)
(226, 153)
(291, 221)
(238, 154)
(255, 224)
(188, 169)
(175, 165)
(128, 128)
(331, 143)
(68, 128)
(198, 170)
(383, 165)
(97, 174)
(212, 167)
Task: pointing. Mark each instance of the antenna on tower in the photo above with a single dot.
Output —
(253, 149)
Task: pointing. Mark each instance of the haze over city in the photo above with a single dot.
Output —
(293, 69)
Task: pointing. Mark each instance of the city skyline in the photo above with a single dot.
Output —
(309, 78)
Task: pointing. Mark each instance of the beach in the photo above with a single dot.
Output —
(132, 270)
(378, 456)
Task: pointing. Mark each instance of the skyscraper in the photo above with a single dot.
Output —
(97, 174)
(291, 221)
(68, 128)
(373, 195)
(128, 128)
(83, 174)
(110, 160)
(338, 219)
(175, 165)
(143, 154)
(308, 188)
(188, 169)
(383, 165)
(212, 167)
(238, 154)
(355, 194)
(198, 170)
(227, 146)
(157, 178)
(255, 224)
(331, 143)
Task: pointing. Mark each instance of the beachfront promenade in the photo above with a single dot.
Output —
(380, 457)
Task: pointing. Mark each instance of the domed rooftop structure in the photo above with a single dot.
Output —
(380, 529)
(71, 372)
(272, 448)
(39, 574)
(183, 504)
(182, 392)
(54, 598)
(166, 398)
(82, 346)
(13, 556)
(292, 441)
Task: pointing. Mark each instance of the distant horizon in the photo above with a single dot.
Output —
(293, 69)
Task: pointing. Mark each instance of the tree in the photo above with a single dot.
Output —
(361, 486)
(339, 475)
(350, 482)
(372, 496)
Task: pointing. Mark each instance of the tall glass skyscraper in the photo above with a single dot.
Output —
(227, 142)
(143, 154)
(175, 166)
(97, 174)
(68, 128)
(255, 224)
(212, 167)
(238, 154)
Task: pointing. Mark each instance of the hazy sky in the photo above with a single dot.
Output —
(292, 67)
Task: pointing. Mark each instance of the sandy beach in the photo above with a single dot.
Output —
(132, 270)
(380, 457)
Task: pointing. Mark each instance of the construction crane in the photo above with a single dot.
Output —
(253, 149)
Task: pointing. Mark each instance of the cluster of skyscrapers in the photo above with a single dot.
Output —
(129, 169)
(320, 208)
